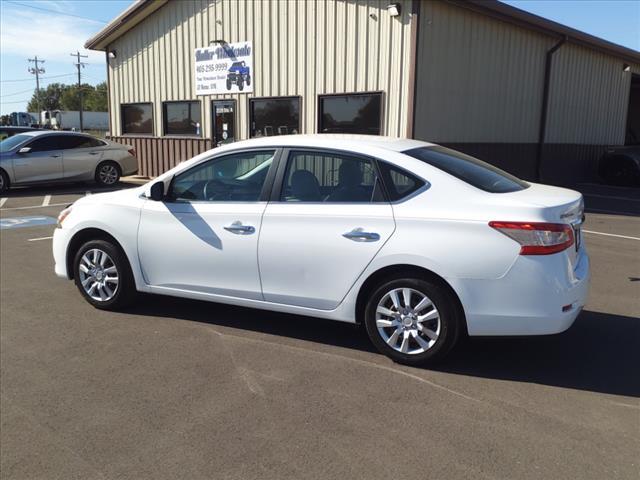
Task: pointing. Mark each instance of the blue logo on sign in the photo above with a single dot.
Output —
(21, 222)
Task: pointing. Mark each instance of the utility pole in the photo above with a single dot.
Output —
(37, 71)
(79, 64)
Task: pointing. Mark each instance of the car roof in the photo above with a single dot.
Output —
(37, 132)
(335, 141)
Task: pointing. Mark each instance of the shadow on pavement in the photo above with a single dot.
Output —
(600, 353)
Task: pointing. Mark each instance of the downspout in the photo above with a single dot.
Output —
(413, 65)
(542, 130)
(106, 56)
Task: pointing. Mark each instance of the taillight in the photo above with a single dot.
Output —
(132, 152)
(536, 238)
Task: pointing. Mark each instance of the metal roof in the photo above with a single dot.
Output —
(141, 9)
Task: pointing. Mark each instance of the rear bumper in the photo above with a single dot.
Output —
(540, 295)
(129, 166)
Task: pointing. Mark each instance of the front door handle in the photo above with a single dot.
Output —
(239, 229)
(94, 153)
(359, 235)
(56, 156)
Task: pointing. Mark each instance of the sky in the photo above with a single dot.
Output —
(52, 29)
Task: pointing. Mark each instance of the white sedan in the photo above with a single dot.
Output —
(420, 243)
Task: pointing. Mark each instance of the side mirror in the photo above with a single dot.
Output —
(157, 191)
(24, 150)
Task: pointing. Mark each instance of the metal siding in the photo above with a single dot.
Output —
(300, 48)
(588, 98)
(478, 79)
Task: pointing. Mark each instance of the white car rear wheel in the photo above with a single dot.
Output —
(412, 321)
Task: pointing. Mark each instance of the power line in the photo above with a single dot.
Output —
(56, 12)
(17, 93)
(41, 78)
(17, 101)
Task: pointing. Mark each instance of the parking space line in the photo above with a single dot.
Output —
(611, 235)
(2, 201)
(46, 201)
(36, 206)
(38, 239)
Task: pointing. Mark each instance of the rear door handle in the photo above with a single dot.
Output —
(239, 229)
(94, 153)
(359, 235)
(56, 156)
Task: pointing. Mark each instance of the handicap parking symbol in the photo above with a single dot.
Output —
(21, 222)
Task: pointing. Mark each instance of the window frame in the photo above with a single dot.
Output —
(280, 97)
(322, 96)
(180, 135)
(265, 193)
(153, 122)
(278, 183)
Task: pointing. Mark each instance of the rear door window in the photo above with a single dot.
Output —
(469, 169)
(399, 183)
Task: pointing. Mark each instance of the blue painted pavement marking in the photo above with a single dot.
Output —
(21, 222)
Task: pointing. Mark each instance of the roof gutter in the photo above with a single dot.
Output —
(542, 130)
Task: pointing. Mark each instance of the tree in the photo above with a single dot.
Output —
(49, 98)
(57, 96)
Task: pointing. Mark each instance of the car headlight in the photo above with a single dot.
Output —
(64, 214)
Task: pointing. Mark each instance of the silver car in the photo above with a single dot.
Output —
(44, 156)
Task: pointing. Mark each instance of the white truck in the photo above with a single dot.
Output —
(70, 120)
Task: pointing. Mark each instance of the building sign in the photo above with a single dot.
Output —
(224, 68)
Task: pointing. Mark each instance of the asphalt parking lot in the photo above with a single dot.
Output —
(191, 390)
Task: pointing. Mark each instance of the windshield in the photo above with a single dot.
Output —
(10, 143)
(469, 169)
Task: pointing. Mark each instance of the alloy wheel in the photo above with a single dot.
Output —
(98, 275)
(108, 174)
(408, 321)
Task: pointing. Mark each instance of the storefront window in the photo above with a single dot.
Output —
(274, 116)
(137, 118)
(181, 118)
(353, 113)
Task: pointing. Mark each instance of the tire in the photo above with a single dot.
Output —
(228, 84)
(4, 181)
(240, 84)
(620, 170)
(248, 80)
(107, 295)
(107, 174)
(437, 333)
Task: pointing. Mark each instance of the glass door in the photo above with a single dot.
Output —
(224, 121)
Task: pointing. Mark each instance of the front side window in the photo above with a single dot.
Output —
(274, 116)
(356, 113)
(181, 118)
(328, 177)
(137, 118)
(238, 177)
(46, 144)
(475, 172)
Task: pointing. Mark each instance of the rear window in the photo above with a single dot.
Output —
(469, 169)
